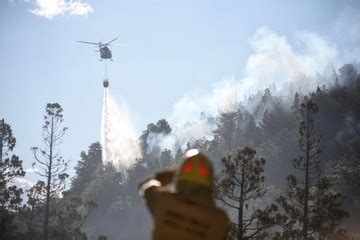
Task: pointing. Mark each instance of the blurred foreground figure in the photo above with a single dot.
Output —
(189, 210)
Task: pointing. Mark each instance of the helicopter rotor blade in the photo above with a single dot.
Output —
(110, 42)
(88, 42)
(120, 45)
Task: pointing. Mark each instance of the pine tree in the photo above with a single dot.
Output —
(253, 133)
(348, 74)
(52, 166)
(240, 184)
(295, 107)
(86, 167)
(10, 194)
(11, 168)
(225, 131)
(312, 210)
(161, 127)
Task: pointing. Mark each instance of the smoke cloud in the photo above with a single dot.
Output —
(286, 66)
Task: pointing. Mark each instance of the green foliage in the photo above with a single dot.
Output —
(8, 139)
(326, 212)
(252, 132)
(328, 209)
(67, 215)
(70, 215)
(8, 226)
(106, 190)
(224, 133)
(86, 168)
(295, 107)
(239, 186)
(11, 169)
(312, 209)
(161, 127)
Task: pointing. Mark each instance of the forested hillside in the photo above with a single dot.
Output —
(275, 137)
(102, 201)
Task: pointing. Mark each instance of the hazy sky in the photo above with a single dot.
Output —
(176, 48)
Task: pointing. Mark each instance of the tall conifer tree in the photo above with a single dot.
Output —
(240, 184)
(52, 167)
(312, 209)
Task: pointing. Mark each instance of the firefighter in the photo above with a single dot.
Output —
(193, 184)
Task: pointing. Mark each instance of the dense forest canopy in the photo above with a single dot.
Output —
(101, 201)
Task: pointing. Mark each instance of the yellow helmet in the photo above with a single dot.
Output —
(196, 169)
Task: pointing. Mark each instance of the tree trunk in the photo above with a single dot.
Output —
(240, 235)
(306, 194)
(48, 187)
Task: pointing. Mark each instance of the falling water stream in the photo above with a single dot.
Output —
(118, 136)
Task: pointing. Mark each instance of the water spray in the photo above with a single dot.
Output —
(118, 136)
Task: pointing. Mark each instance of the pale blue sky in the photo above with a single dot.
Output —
(175, 47)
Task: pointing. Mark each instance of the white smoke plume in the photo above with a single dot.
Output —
(187, 132)
(118, 137)
(287, 67)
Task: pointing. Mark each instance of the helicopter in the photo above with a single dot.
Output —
(104, 50)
